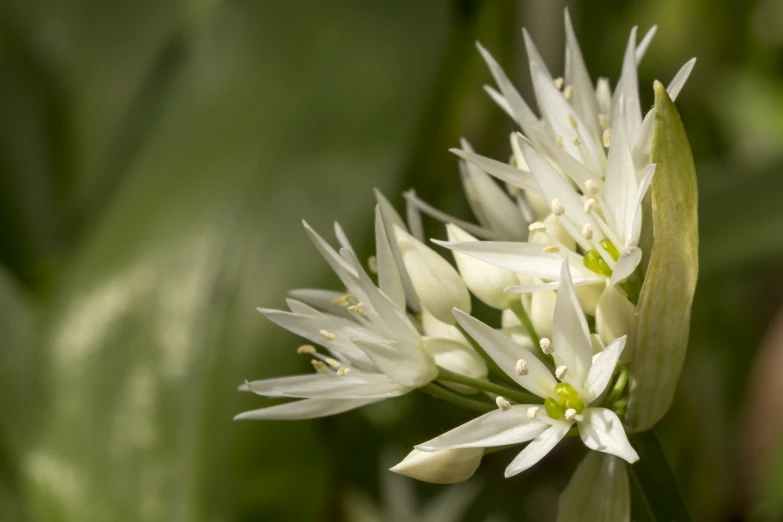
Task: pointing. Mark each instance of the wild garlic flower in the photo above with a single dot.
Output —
(373, 349)
(579, 380)
(585, 161)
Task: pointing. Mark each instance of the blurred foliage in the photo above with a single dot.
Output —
(156, 159)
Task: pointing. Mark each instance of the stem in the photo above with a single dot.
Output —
(439, 392)
(654, 474)
(519, 309)
(619, 385)
(491, 364)
(487, 386)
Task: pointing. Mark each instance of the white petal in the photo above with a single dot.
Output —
(523, 289)
(353, 385)
(321, 299)
(506, 353)
(641, 49)
(636, 225)
(615, 317)
(276, 386)
(342, 237)
(423, 206)
(298, 307)
(621, 187)
(485, 281)
(311, 327)
(438, 284)
(576, 75)
(434, 328)
(344, 271)
(602, 369)
(602, 430)
(537, 449)
(413, 215)
(503, 171)
(627, 262)
(496, 428)
(499, 99)
(389, 279)
(305, 409)
(402, 362)
(524, 258)
(597, 491)
(391, 219)
(628, 88)
(570, 334)
(440, 467)
(533, 56)
(523, 115)
(603, 93)
(678, 82)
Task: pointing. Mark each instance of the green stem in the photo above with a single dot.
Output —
(491, 364)
(619, 385)
(654, 474)
(519, 310)
(487, 386)
(439, 392)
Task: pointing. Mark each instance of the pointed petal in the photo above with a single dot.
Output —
(506, 353)
(402, 362)
(344, 271)
(440, 467)
(413, 215)
(496, 428)
(342, 237)
(520, 257)
(276, 386)
(524, 289)
(627, 262)
(444, 218)
(499, 99)
(628, 88)
(602, 369)
(570, 334)
(621, 188)
(523, 115)
(353, 385)
(391, 219)
(641, 49)
(321, 299)
(503, 171)
(635, 227)
(298, 307)
(457, 357)
(602, 430)
(678, 82)
(304, 409)
(537, 449)
(389, 279)
(577, 75)
(533, 56)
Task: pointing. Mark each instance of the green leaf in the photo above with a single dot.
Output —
(598, 490)
(665, 303)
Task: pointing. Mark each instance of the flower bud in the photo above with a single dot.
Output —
(438, 285)
(458, 358)
(615, 317)
(485, 281)
(440, 467)
(434, 328)
(542, 311)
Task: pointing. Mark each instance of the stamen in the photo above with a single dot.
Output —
(559, 83)
(604, 121)
(342, 370)
(591, 187)
(577, 142)
(607, 138)
(559, 142)
(551, 249)
(358, 308)
(568, 92)
(587, 231)
(343, 300)
(589, 204)
(502, 403)
(333, 363)
(557, 207)
(537, 227)
(306, 348)
(546, 346)
(372, 263)
(326, 333)
(570, 414)
(532, 412)
(521, 367)
(319, 366)
(561, 372)
(572, 121)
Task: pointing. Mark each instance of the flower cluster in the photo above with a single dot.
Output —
(557, 241)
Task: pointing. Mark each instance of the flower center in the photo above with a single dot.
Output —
(567, 399)
(596, 263)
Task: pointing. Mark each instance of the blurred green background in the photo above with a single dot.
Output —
(156, 159)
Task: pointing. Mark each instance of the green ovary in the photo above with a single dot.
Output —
(596, 263)
(567, 398)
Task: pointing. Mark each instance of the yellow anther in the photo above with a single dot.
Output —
(607, 138)
(557, 207)
(559, 83)
(343, 300)
(334, 363)
(576, 142)
(559, 142)
(326, 333)
(587, 231)
(319, 366)
(358, 308)
(604, 121)
(591, 187)
(572, 121)
(502, 403)
(532, 412)
(342, 371)
(568, 92)
(589, 205)
(546, 346)
(306, 348)
(372, 263)
(537, 227)
(552, 249)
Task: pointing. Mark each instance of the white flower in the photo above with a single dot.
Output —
(562, 160)
(438, 285)
(440, 467)
(583, 379)
(373, 350)
(485, 281)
